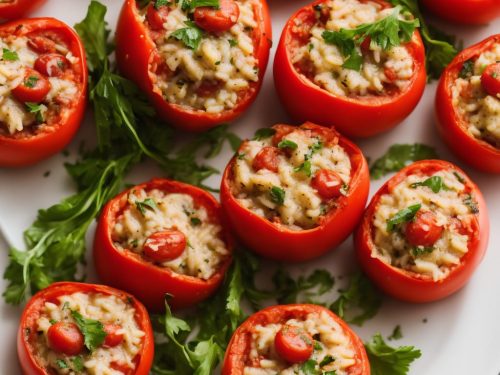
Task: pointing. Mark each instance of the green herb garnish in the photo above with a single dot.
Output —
(264, 133)
(146, 204)
(9, 55)
(435, 183)
(92, 330)
(190, 35)
(403, 216)
(285, 143)
(277, 195)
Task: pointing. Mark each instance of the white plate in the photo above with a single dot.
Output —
(461, 336)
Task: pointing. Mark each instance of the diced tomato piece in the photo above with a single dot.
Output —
(328, 184)
(51, 64)
(157, 17)
(281, 131)
(165, 245)
(34, 87)
(423, 230)
(267, 158)
(293, 344)
(490, 79)
(365, 45)
(113, 337)
(390, 74)
(208, 88)
(65, 338)
(217, 20)
(41, 44)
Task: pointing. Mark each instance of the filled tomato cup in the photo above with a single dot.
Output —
(468, 105)
(327, 71)
(14, 9)
(424, 233)
(467, 12)
(295, 339)
(163, 237)
(293, 193)
(75, 328)
(200, 65)
(43, 75)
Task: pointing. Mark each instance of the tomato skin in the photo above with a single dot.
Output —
(51, 64)
(165, 245)
(267, 158)
(38, 90)
(423, 230)
(217, 20)
(18, 8)
(113, 338)
(157, 17)
(135, 51)
(352, 117)
(477, 153)
(65, 338)
(328, 184)
(409, 286)
(26, 350)
(279, 243)
(490, 79)
(239, 346)
(24, 151)
(131, 272)
(467, 12)
(293, 344)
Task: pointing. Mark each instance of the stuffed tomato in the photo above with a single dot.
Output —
(468, 105)
(327, 73)
(295, 339)
(74, 328)
(424, 233)
(293, 193)
(163, 237)
(43, 83)
(468, 12)
(199, 65)
(13, 9)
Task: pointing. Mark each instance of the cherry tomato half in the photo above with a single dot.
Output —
(328, 184)
(267, 158)
(33, 88)
(452, 127)
(66, 338)
(217, 20)
(14, 9)
(165, 245)
(293, 344)
(51, 64)
(490, 79)
(113, 336)
(238, 349)
(136, 54)
(411, 286)
(353, 116)
(423, 230)
(157, 17)
(468, 12)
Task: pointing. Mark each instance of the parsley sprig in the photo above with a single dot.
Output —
(386, 360)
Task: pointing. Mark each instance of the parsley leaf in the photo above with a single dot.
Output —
(146, 204)
(78, 363)
(386, 360)
(435, 183)
(396, 333)
(31, 81)
(92, 330)
(285, 143)
(264, 133)
(421, 250)
(190, 35)
(9, 55)
(470, 202)
(161, 3)
(309, 367)
(289, 290)
(35, 109)
(203, 3)
(61, 363)
(467, 69)
(403, 216)
(398, 156)
(361, 300)
(305, 167)
(277, 195)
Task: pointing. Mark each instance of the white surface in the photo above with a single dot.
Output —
(462, 334)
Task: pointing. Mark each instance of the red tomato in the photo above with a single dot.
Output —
(135, 51)
(410, 286)
(423, 230)
(34, 87)
(27, 333)
(132, 272)
(157, 17)
(452, 127)
(18, 8)
(65, 338)
(52, 64)
(293, 344)
(328, 184)
(490, 79)
(238, 349)
(26, 148)
(217, 20)
(164, 246)
(352, 116)
(41, 44)
(267, 158)
(275, 241)
(113, 337)
(468, 12)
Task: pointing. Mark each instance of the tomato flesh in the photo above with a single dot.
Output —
(328, 184)
(157, 17)
(267, 158)
(34, 87)
(217, 20)
(423, 230)
(51, 64)
(293, 344)
(165, 245)
(42, 44)
(113, 337)
(490, 79)
(65, 338)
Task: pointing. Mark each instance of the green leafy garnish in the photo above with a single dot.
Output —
(232, 42)
(61, 363)
(277, 195)
(202, 3)
(326, 360)
(190, 35)
(35, 109)
(289, 290)
(92, 330)
(9, 55)
(78, 363)
(359, 302)
(386, 360)
(305, 167)
(421, 250)
(195, 221)
(467, 69)
(398, 156)
(309, 367)
(31, 81)
(161, 3)
(285, 143)
(146, 204)
(403, 216)
(470, 202)
(396, 333)
(435, 183)
(264, 133)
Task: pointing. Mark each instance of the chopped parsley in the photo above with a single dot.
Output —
(9, 55)
(78, 364)
(241, 156)
(305, 167)
(435, 183)
(396, 333)
(146, 204)
(421, 250)
(470, 202)
(161, 3)
(232, 42)
(403, 216)
(460, 178)
(467, 69)
(285, 143)
(61, 363)
(189, 35)
(326, 361)
(264, 133)
(92, 330)
(195, 221)
(35, 109)
(277, 195)
(31, 81)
